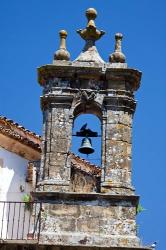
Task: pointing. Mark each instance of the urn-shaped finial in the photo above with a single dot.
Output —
(117, 56)
(62, 53)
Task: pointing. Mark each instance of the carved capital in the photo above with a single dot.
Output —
(48, 101)
(87, 96)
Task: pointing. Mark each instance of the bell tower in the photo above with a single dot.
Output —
(105, 216)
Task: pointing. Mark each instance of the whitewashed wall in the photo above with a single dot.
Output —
(14, 218)
(12, 175)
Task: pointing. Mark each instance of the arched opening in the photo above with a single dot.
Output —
(91, 123)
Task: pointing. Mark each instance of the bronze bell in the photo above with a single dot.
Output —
(86, 146)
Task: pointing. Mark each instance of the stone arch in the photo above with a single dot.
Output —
(92, 107)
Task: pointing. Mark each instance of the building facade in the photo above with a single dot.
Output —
(78, 204)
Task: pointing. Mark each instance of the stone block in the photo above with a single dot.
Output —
(88, 225)
(58, 173)
(60, 115)
(116, 242)
(111, 212)
(62, 210)
(112, 117)
(91, 211)
(118, 155)
(118, 132)
(57, 158)
(115, 117)
(125, 118)
(117, 227)
(56, 187)
(56, 224)
(65, 224)
(120, 163)
(82, 182)
(61, 131)
(127, 213)
(59, 145)
(117, 176)
(117, 148)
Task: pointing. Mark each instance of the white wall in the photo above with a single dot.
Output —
(12, 175)
(14, 218)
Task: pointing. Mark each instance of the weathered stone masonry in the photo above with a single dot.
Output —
(100, 211)
(114, 107)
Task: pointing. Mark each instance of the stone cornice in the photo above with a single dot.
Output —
(73, 71)
(77, 197)
(56, 100)
(67, 71)
(132, 76)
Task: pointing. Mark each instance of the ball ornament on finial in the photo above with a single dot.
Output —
(118, 36)
(63, 33)
(91, 13)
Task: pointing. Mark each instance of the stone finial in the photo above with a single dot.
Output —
(90, 32)
(117, 56)
(62, 53)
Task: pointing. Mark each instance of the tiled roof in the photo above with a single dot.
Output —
(17, 132)
(84, 165)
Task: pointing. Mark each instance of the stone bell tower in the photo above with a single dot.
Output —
(105, 216)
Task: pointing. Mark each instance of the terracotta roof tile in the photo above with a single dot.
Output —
(12, 129)
(84, 165)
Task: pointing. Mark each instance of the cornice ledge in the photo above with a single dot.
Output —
(76, 196)
(123, 103)
(67, 70)
(63, 100)
(132, 76)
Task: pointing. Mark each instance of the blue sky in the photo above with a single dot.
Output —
(29, 37)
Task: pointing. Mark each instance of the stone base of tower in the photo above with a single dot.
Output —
(89, 248)
(89, 240)
(88, 219)
(31, 246)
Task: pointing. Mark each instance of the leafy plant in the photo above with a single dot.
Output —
(140, 208)
(27, 199)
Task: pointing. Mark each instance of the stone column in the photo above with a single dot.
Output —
(57, 135)
(117, 142)
(118, 147)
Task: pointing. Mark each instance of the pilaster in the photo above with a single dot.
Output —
(57, 134)
(119, 106)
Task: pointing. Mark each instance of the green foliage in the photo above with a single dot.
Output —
(140, 208)
(26, 198)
